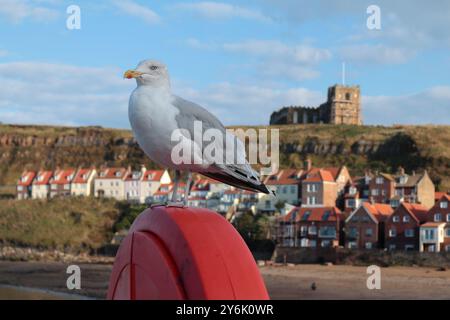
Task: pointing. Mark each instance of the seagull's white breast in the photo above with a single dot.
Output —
(152, 118)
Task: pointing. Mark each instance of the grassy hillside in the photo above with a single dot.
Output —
(359, 147)
(70, 223)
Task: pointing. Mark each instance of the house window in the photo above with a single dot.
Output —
(327, 232)
(352, 245)
(325, 244)
(353, 232)
(409, 233)
(447, 233)
(66, 186)
(369, 232)
(352, 191)
(392, 247)
(396, 219)
(406, 219)
(312, 243)
(304, 243)
(284, 190)
(409, 247)
(437, 217)
(375, 192)
(429, 234)
(267, 204)
(311, 200)
(19, 188)
(380, 180)
(448, 217)
(444, 205)
(312, 230)
(447, 248)
(293, 189)
(303, 231)
(369, 245)
(392, 232)
(351, 203)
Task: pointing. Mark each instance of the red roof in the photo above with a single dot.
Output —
(26, 179)
(82, 175)
(438, 195)
(313, 214)
(417, 211)
(43, 177)
(160, 192)
(432, 224)
(201, 185)
(319, 175)
(153, 175)
(334, 171)
(284, 177)
(380, 211)
(63, 176)
(112, 173)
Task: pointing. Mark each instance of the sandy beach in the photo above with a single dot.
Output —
(283, 282)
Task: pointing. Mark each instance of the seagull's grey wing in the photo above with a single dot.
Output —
(190, 112)
(240, 171)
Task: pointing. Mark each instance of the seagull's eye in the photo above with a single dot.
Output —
(153, 67)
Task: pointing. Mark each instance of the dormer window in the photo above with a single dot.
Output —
(403, 179)
(102, 174)
(118, 174)
(444, 205)
(352, 190)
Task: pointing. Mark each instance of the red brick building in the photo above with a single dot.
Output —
(311, 228)
(403, 227)
(365, 227)
(381, 188)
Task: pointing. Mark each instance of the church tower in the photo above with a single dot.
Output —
(344, 105)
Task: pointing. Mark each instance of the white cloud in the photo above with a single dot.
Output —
(377, 54)
(137, 10)
(18, 10)
(431, 106)
(44, 93)
(274, 58)
(242, 104)
(298, 53)
(220, 10)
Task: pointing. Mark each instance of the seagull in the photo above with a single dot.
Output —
(155, 114)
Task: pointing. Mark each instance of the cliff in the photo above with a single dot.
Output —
(359, 147)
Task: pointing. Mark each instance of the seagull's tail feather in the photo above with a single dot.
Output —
(239, 180)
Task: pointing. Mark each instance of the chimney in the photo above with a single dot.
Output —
(414, 173)
(308, 164)
(401, 171)
(129, 168)
(143, 169)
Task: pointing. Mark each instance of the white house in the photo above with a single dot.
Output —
(150, 183)
(431, 236)
(40, 188)
(83, 182)
(287, 186)
(110, 183)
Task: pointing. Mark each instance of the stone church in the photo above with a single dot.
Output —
(343, 106)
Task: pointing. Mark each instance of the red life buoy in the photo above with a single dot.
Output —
(184, 253)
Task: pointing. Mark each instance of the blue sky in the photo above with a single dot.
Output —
(241, 60)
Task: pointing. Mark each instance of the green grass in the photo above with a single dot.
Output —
(74, 224)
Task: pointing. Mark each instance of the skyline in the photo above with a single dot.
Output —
(242, 62)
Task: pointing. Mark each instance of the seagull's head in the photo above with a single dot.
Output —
(149, 72)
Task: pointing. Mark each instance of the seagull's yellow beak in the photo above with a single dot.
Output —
(130, 74)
